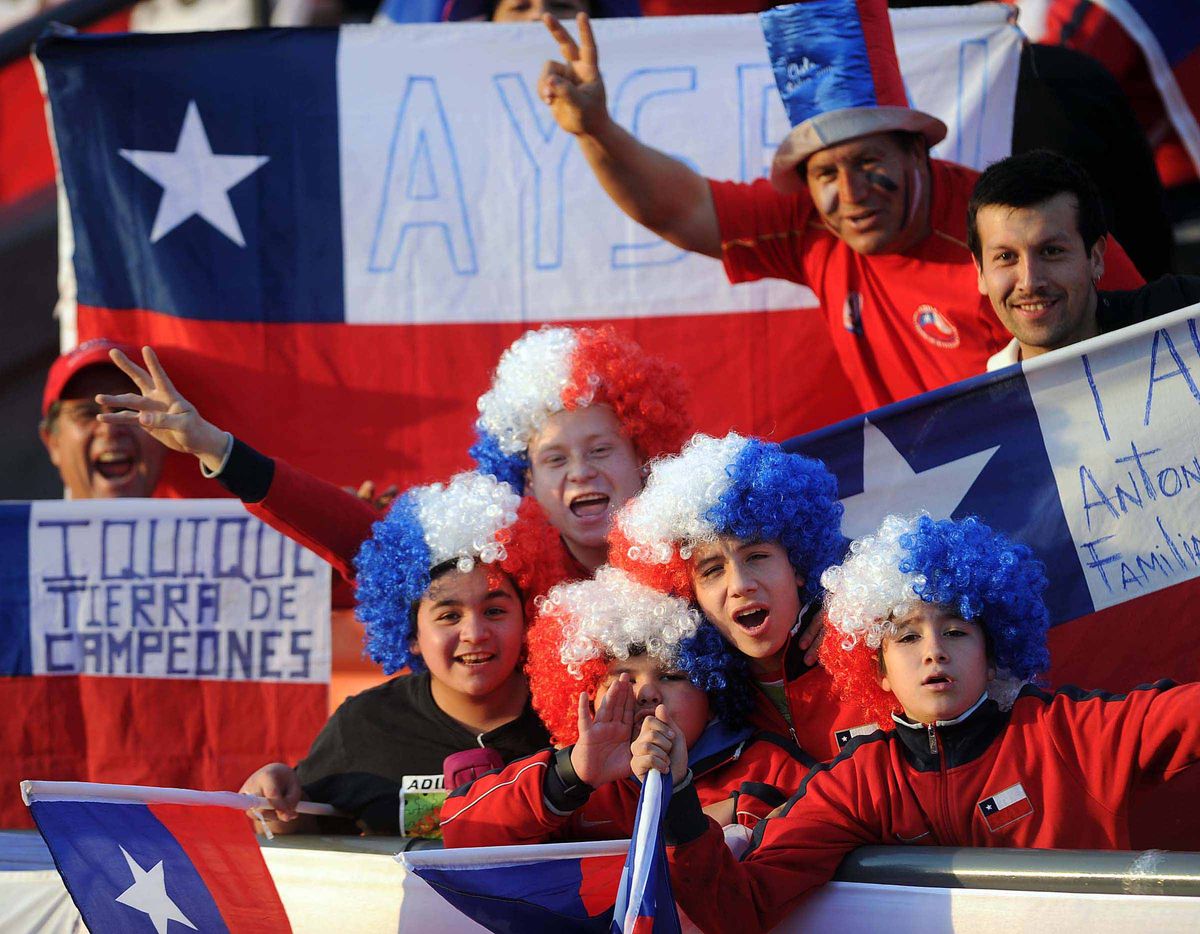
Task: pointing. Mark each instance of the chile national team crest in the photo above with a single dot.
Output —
(935, 327)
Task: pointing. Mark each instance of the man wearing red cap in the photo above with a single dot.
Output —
(855, 208)
(96, 460)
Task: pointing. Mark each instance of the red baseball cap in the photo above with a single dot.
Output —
(89, 353)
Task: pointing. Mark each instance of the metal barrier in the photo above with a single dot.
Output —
(1108, 872)
(1093, 872)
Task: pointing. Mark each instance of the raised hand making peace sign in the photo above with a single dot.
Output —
(655, 190)
(573, 88)
(161, 411)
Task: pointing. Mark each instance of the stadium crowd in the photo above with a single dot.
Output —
(608, 592)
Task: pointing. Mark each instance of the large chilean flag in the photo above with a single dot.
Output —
(333, 234)
(1090, 455)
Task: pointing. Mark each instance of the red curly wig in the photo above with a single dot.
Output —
(855, 674)
(554, 690)
(647, 393)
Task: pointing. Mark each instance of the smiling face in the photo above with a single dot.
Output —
(1038, 274)
(872, 192)
(582, 469)
(936, 664)
(97, 460)
(653, 685)
(751, 593)
(469, 632)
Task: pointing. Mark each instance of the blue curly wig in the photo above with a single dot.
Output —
(961, 564)
(393, 571)
(985, 577)
(787, 498)
(720, 672)
(508, 468)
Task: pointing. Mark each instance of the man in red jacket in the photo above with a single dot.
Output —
(855, 209)
(939, 626)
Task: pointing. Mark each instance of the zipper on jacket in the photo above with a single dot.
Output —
(931, 732)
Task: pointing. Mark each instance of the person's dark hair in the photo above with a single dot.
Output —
(1032, 178)
(440, 570)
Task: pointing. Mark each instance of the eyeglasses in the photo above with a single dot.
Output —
(80, 413)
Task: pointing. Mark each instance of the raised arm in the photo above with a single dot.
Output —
(322, 517)
(163, 413)
(655, 190)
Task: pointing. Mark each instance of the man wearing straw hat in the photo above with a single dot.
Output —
(855, 207)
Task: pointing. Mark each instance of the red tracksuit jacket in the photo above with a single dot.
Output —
(1055, 772)
(524, 803)
(822, 724)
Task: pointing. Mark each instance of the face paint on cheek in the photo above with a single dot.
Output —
(914, 197)
(882, 181)
(827, 199)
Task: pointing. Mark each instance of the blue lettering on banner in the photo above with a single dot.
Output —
(192, 597)
(1181, 370)
(634, 93)
(1158, 546)
(761, 121)
(972, 58)
(547, 148)
(422, 190)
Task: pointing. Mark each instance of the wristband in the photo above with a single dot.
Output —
(564, 790)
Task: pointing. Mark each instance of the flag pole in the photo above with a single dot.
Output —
(144, 794)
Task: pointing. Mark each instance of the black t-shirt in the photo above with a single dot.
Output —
(1116, 310)
(394, 737)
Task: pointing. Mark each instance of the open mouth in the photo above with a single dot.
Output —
(114, 466)
(474, 659)
(751, 618)
(587, 505)
(938, 680)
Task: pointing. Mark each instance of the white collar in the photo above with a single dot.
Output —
(1010, 354)
(904, 721)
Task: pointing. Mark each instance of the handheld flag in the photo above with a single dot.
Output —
(645, 904)
(129, 855)
(545, 887)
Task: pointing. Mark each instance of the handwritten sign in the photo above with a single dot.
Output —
(172, 589)
(1121, 424)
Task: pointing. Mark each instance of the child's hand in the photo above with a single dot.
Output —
(602, 752)
(660, 745)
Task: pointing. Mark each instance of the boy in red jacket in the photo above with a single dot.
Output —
(939, 626)
(744, 530)
(637, 652)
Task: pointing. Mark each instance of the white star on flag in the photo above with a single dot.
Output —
(195, 180)
(149, 894)
(890, 485)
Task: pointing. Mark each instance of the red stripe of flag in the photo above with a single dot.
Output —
(222, 847)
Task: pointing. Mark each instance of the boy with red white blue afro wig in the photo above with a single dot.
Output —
(736, 486)
(557, 369)
(975, 573)
(473, 519)
(583, 626)
(609, 658)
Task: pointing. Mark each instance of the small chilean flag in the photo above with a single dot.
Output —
(134, 858)
(1006, 806)
(645, 904)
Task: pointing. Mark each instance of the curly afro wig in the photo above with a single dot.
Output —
(582, 626)
(472, 519)
(743, 487)
(961, 564)
(557, 369)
